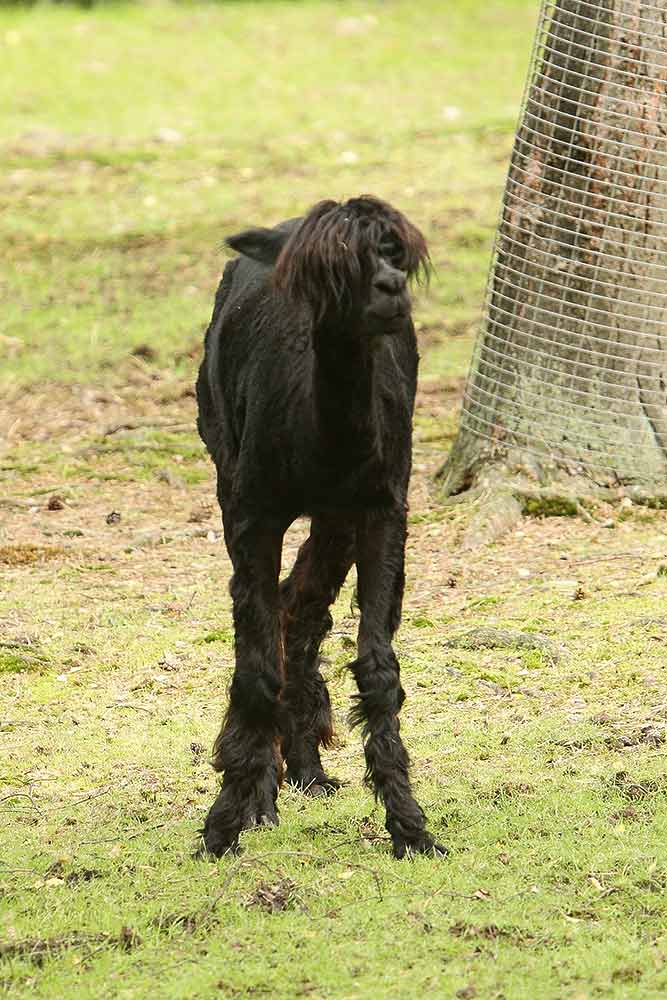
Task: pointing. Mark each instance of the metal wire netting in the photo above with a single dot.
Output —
(570, 364)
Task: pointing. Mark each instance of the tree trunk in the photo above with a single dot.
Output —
(569, 374)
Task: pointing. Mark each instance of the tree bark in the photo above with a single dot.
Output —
(569, 374)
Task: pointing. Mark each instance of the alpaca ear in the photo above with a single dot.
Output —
(262, 245)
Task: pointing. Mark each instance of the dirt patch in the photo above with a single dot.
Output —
(144, 397)
(648, 735)
(492, 932)
(37, 950)
(276, 897)
(58, 870)
(636, 789)
(189, 923)
(509, 790)
(28, 553)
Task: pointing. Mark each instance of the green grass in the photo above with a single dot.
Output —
(555, 819)
(541, 767)
(272, 106)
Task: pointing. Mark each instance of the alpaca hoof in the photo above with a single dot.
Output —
(259, 815)
(315, 786)
(215, 844)
(423, 843)
(322, 787)
(254, 819)
(316, 791)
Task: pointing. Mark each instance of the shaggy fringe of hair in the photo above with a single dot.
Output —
(330, 256)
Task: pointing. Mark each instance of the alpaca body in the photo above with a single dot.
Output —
(306, 394)
(290, 429)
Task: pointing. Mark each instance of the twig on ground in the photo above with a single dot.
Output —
(21, 795)
(93, 795)
(236, 867)
(637, 554)
(115, 840)
(130, 704)
(145, 424)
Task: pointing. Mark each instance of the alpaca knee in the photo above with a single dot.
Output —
(255, 695)
(380, 694)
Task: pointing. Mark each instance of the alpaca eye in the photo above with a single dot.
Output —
(391, 251)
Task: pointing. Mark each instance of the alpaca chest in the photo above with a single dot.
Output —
(371, 482)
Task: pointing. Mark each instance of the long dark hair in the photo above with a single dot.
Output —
(328, 259)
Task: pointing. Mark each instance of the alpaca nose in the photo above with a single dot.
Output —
(390, 281)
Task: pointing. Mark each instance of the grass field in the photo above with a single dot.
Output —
(133, 139)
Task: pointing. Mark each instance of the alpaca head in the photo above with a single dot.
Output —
(345, 261)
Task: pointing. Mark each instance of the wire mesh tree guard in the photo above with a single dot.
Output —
(569, 371)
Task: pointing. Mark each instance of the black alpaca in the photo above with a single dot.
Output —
(306, 394)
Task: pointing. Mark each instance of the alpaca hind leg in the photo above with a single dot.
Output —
(320, 569)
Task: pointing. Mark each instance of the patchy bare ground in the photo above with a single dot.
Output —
(117, 476)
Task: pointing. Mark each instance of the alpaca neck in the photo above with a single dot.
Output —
(343, 391)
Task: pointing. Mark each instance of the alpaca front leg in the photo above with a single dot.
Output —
(252, 770)
(380, 558)
(247, 749)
